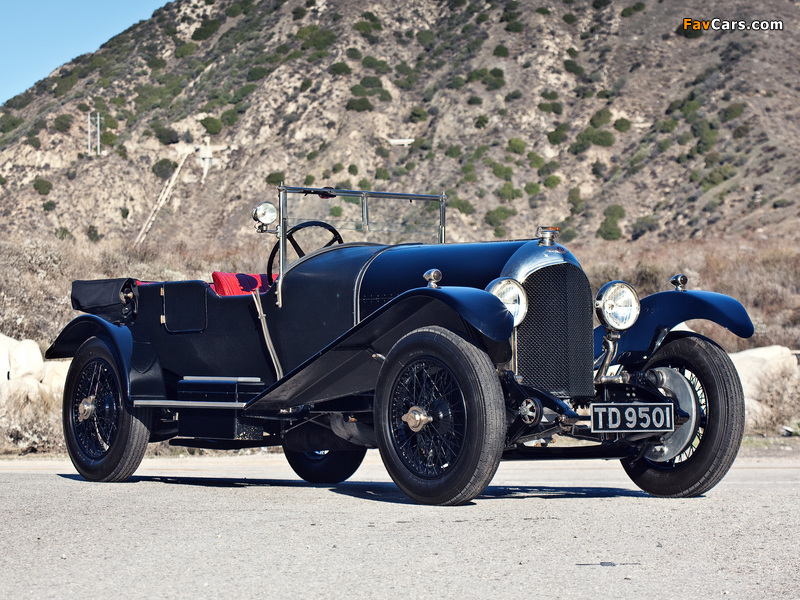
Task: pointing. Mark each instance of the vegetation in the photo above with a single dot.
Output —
(164, 168)
(212, 125)
(609, 228)
(43, 186)
(276, 178)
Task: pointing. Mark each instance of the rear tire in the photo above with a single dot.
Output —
(327, 466)
(105, 439)
(439, 417)
(718, 432)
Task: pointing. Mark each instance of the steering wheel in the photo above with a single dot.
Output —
(337, 238)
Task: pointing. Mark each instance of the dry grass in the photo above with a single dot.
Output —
(780, 393)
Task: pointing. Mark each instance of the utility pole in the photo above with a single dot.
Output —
(89, 132)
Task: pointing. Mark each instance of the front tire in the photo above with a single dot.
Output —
(439, 417)
(719, 426)
(105, 439)
(327, 466)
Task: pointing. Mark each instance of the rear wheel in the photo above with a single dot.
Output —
(325, 466)
(439, 417)
(105, 439)
(716, 432)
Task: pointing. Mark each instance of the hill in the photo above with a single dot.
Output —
(604, 117)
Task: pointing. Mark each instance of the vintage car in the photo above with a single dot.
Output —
(446, 357)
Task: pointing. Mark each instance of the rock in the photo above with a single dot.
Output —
(755, 364)
(55, 375)
(6, 343)
(24, 359)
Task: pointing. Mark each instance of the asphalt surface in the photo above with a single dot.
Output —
(218, 527)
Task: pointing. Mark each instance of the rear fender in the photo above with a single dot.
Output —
(84, 327)
(351, 363)
(663, 311)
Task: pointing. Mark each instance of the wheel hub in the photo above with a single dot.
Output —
(416, 418)
(86, 409)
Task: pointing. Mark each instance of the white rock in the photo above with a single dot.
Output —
(6, 343)
(755, 364)
(55, 375)
(25, 359)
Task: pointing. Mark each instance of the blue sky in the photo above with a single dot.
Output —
(38, 36)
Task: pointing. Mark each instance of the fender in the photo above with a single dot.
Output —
(82, 328)
(350, 364)
(662, 311)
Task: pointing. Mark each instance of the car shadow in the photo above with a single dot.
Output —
(383, 491)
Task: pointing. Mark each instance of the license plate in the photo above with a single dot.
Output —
(632, 418)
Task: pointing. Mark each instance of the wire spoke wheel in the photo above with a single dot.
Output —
(719, 426)
(431, 388)
(106, 440)
(439, 417)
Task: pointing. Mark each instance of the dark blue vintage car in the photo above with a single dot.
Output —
(446, 357)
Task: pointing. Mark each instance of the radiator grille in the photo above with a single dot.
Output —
(554, 342)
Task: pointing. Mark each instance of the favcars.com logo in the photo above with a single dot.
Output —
(725, 25)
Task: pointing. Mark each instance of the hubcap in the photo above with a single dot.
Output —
(416, 418)
(86, 409)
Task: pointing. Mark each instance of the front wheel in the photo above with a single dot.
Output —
(439, 417)
(325, 466)
(105, 439)
(716, 434)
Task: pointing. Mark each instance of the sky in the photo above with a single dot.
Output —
(38, 36)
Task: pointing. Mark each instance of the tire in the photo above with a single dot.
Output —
(105, 439)
(432, 373)
(718, 430)
(327, 466)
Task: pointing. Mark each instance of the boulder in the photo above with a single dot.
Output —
(25, 359)
(755, 364)
(6, 343)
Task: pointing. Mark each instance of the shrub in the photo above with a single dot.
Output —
(502, 171)
(426, 38)
(730, 112)
(49, 205)
(548, 168)
(534, 160)
(501, 51)
(276, 178)
(207, 28)
(532, 188)
(381, 66)
(453, 151)
(364, 184)
(165, 135)
(515, 95)
(107, 138)
(572, 67)
(552, 181)
(309, 180)
(418, 114)
(34, 141)
(83, 107)
(359, 104)
(9, 122)
(352, 169)
(543, 10)
(508, 192)
(382, 173)
(338, 168)
(93, 235)
(164, 168)
(622, 125)
(62, 123)
(234, 10)
(576, 203)
(353, 53)
(603, 138)
(298, 12)
(481, 121)
(185, 50)
(609, 228)
(464, 206)
(569, 19)
(644, 225)
(257, 73)
(371, 82)
(600, 118)
(559, 134)
(229, 117)
(43, 186)
(336, 211)
(516, 145)
(339, 68)
(212, 124)
(496, 216)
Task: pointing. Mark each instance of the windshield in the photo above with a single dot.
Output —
(363, 216)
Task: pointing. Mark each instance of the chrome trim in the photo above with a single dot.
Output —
(216, 378)
(282, 229)
(189, 404)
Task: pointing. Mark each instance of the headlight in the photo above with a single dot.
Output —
(617, 305)
(265, 213)
(512, 295)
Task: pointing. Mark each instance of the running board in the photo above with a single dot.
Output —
(189, 404)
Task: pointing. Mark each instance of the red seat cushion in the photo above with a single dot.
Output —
(237, 284)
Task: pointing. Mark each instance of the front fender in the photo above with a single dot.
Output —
(663, 311)
(350, 364)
